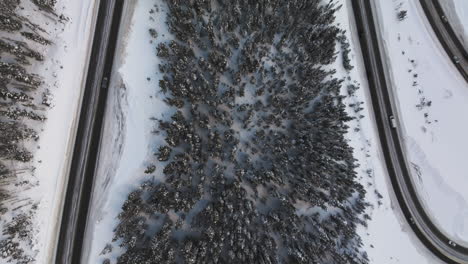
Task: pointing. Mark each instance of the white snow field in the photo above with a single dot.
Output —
(432, 100)
(63, 70)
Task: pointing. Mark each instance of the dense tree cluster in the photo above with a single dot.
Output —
(21, 111)
(17, 85)
(256, 167)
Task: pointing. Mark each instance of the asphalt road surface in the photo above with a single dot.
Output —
(446, 35)
(84, 157)
(390, 137)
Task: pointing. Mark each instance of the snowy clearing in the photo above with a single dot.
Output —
(432, 98)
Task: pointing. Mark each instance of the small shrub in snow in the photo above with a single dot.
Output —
(402, 15)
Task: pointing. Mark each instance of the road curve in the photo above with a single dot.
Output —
(84, 157)
(446, 35)
(384, 107)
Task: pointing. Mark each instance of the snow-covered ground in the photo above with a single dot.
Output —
(457, 15)
(432, 100)
(63, 72)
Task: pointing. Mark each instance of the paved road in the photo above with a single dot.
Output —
(89, 132)
(383, 104)
(446, 35)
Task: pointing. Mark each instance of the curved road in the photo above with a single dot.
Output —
(89, 133)
(378, 76)
(446, 35)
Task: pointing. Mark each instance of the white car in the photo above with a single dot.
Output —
(392, 121)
